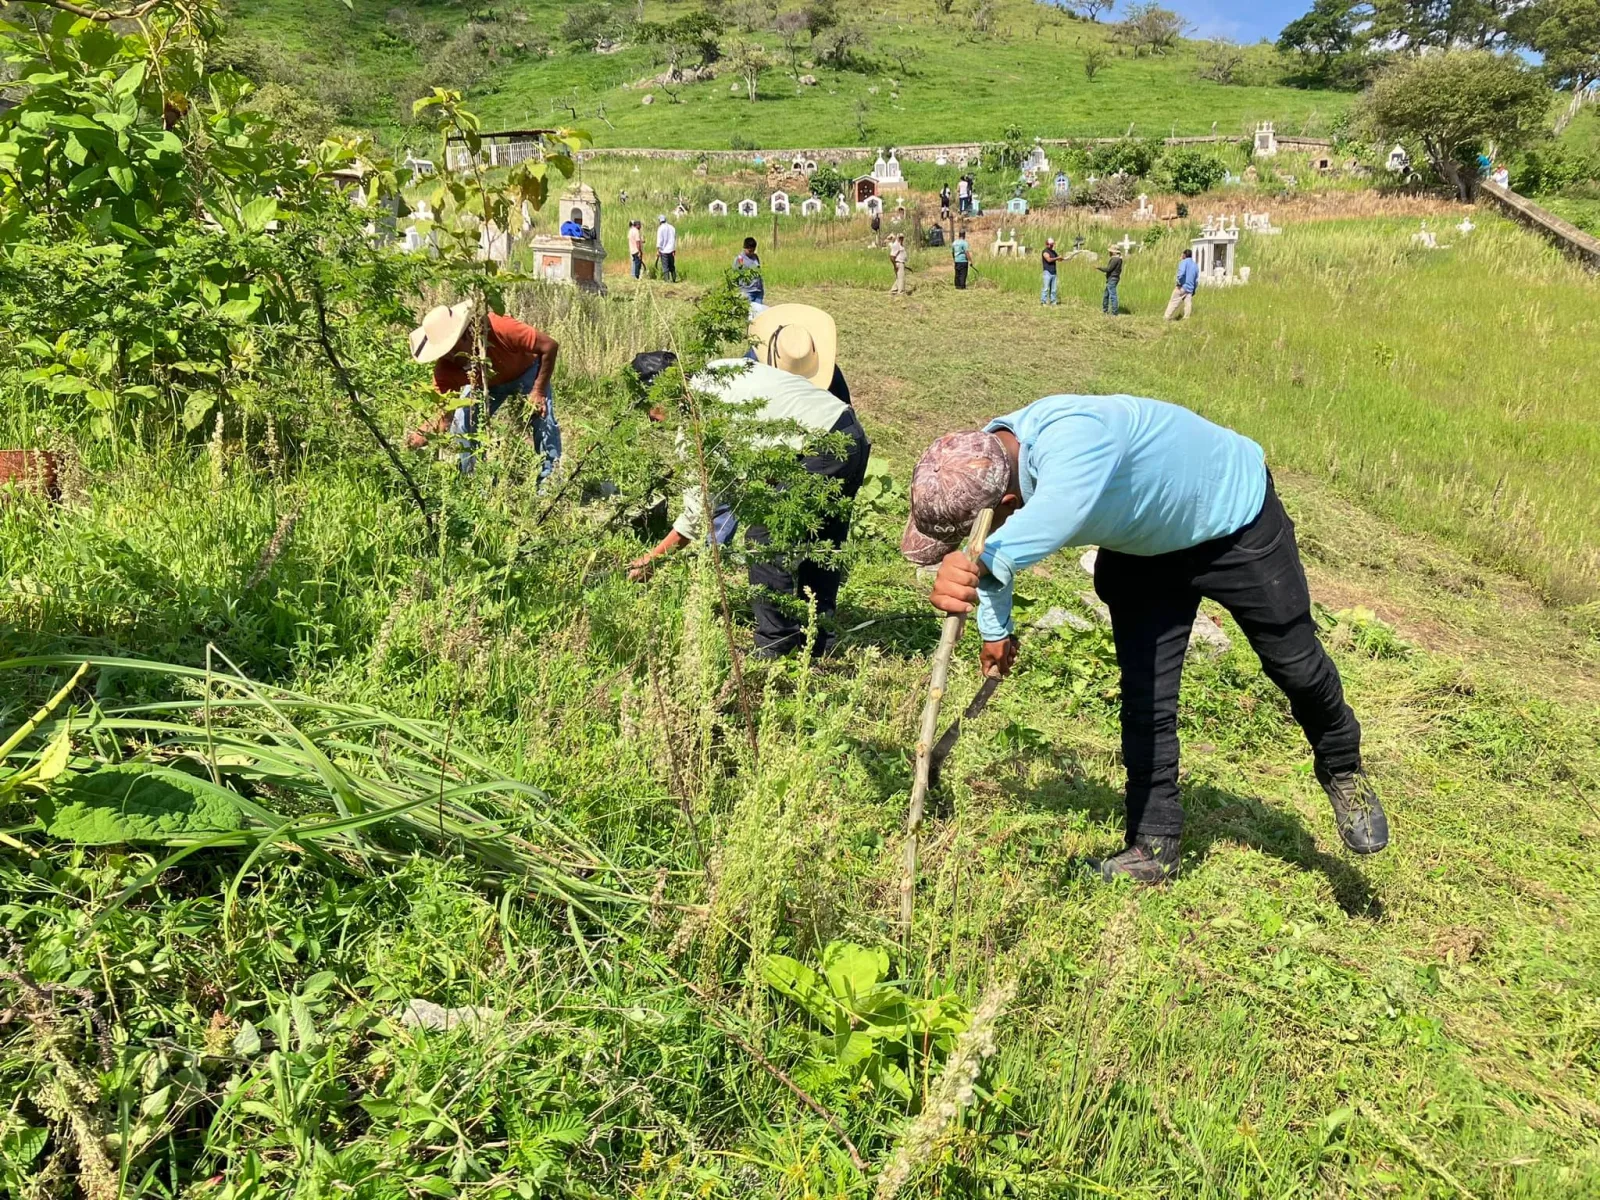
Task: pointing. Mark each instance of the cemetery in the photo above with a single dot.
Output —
(467, 733)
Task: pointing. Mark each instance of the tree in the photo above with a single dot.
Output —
(1090, 10)
(1220, 62)
(1094, 59)
(749, 61)
(1321, 35)
(1419, 25)
(1567, 34)
(790, 27)
(1150, 27)
(1454, 105)
(827, 182)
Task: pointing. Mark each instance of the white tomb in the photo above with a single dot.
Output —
(779, 203)
(841, 206)
(1063, 185)
(1465, 227)
(810, 206)
(887, 174)
(718, 208)
(873, 205)
(1266, 140)
(1144, 212)
(749, 208)
(418, 166)
(1399, 161)
(1036, 162)
(681, 211)
(1215, 252)
(1260, 223)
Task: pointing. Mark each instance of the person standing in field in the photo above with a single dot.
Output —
(1181, 509)
(964, 194)
(944, 203)
(897, 258)
(667, 248)
(522, 361)
(747, 266)
(1050, 287)
(1186, 283)
(1113, 273)
(636, 247)
(962, 257)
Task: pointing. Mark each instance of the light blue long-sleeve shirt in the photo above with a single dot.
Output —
(1138, 476)
(1188, 275)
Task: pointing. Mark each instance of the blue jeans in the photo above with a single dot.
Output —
(638, 265)
(1050, 291)
(546, 433)
(1109, 303)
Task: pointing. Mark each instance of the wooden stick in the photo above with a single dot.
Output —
(948, 637)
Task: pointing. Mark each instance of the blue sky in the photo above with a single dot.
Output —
(1238, 21)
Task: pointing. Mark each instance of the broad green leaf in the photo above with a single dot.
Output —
(893, 1078)
(196, 409)
(237, 312)
(853, 970)
(138, 802)
(22, 1146)
(247, 1042)
(122, 175)
(259, 213)
(129, 81)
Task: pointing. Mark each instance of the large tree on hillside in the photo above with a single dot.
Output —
(1567, 34)
(1419, 25)
(1454, 106)
(1091, 9)
(1320, 36)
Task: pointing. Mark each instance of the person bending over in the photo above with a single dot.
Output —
(1181, 509)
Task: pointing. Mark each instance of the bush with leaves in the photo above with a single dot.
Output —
(1133, 157)
(828, 182)
(1189, 171)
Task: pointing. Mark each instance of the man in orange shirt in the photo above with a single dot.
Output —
(522, 360)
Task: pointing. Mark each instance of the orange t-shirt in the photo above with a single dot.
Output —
(512, 351)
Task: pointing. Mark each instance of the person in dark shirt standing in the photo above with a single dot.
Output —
(961, 256)
(1050, 288)
(748, 266)
(1113, 273)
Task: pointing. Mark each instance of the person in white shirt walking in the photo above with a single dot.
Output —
(897, 257)
(667, 248)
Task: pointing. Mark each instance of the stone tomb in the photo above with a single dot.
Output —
(749, 208)
(1063, 186)
(887, 173)
(718, 208)
(779, 203)
(579, 260)
(1215, 253)
(1260, 223)
(1006, 245)
(810, 206)
(1144, 212)
(1017, 206)
(841, 206)
(864, 188)
(1266, 144)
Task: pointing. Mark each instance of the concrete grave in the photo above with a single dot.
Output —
(749, 208)
(718, 208)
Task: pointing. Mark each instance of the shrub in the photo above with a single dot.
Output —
(1548, 169)
(1127, 156)
(1190, 172)
(827, 181)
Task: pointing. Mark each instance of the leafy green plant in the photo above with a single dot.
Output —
(871, 1027)
(1189, 172)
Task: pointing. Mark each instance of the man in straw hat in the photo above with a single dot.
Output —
(1181, 509)
(794, 389)
(521, 361)
(801, 340)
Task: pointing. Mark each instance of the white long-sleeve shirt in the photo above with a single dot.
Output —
(666, 238)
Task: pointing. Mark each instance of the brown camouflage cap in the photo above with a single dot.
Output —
(958, 477)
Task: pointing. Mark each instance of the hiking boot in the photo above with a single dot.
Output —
(1148, 859)
(1357, 810)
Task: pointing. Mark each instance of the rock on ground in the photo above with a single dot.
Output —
(425, 1014)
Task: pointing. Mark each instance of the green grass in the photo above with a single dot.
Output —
(1284, 1021)
(1029, 70)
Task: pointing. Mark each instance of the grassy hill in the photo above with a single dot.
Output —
(951, 82)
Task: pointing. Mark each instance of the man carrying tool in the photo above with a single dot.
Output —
(794, 389)
(522, 360)
(1181, 509)
(667, 248)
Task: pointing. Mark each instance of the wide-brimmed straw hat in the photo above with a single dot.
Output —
(799, 339)
(440, 330)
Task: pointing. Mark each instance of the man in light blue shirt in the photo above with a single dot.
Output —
(1186, 283)
(1181, 509)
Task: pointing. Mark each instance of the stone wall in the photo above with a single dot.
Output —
(925, 153)
(1574, 241)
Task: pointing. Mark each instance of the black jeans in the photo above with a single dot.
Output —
(961, 275)
(669, 266)
(1257, 576)
(777, 629)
